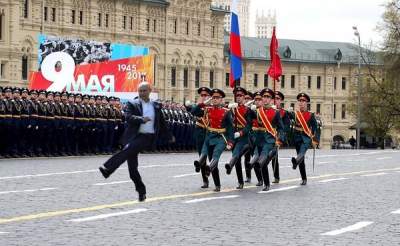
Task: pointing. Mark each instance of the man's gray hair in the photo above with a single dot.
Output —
(144, 84)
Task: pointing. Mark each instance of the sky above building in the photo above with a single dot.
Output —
(323, 20)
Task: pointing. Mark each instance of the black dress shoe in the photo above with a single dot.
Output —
(217, 189)
(240, 187)
(303, 182)
(294, 163)
(105, 172)
(266, 188)
(142, 197)
(248, 180)
(276, 181)
(204, 186)
(259, 183)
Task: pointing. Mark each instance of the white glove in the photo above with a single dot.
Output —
(228, 147)
(290, 109)
(236, 135)
(208, 101)
(249, 103)
(37, 127)
(273, 106)
(232, 105)
(253, 107)
(29, 126)
(116, 128)
(188, 102)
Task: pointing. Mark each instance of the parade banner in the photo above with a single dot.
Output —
(91, 67)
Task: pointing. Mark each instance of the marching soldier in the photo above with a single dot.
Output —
(41, 124)
(269, 134)
(58, 139)
(79, 124)
(219, 134)
(200, 130)
(15, 123)
(279, 97)
(304, 134)
(242, 126)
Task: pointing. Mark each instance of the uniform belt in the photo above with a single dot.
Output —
(24, 116)
(41, 117)
(82, 119)
(67, 118)
(119, 120)
(16, 116)
(200, 125)
(100, 119)
(113, 120)
(216, 130)
(2, 116)
(50, 117)
(239, 126)
(300, 129)
(261, 129)
(34, 115)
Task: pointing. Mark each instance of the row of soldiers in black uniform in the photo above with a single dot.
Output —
(43, 123)
(40, 123)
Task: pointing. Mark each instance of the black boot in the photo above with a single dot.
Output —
(303, 182)
(259, 183)
(231, 164)
(266, 188)
(263, 160)
(296, 161)
(199, 163)
(205, 185)
(240, 187)
(211, 167)
(217, 188)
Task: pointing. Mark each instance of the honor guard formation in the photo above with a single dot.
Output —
(45, 123)
(253, 127)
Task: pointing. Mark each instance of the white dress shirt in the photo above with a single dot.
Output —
(148, 111)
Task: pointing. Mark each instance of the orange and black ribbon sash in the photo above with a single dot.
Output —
(266, 123)
(240, 118)
(303, 123)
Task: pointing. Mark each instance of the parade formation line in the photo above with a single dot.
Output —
(112, 183)
(356, 226)
(164, 198)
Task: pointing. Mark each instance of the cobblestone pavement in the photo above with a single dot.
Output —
(352, 198)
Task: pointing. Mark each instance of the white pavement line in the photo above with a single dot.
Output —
(111, 183)
(25, 191)
(354, 227)
(396, 212)
(104, 216)
(166, 165)
(211, 198)
(373, 174)
(3, 232)
(331, 180)
(47, 174)
(280, 189)
(326, 162)
(185, 175)
(384, 158)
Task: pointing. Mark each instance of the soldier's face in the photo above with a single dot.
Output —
(278, 101)
(85, 101)
(267, 98)
(50, 97)
(302, 103)
(64, 98)
(216, 99)
(34, 96)
(204, 96)
(57, 98)
(258, 102)
(71, 99)
(16, 95)
(78, 100)
(239, 97)
(24, 95)
(42, 97)
(91, 101)
(247, 99)
(7, 94)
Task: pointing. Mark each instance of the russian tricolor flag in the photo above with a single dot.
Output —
(235, 47)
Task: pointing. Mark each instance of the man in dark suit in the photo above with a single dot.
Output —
(145, 123)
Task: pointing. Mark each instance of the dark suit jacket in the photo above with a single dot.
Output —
(134, 117)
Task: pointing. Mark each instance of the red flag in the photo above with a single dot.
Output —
(275, 69)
